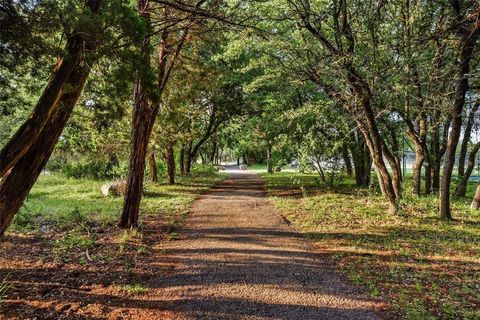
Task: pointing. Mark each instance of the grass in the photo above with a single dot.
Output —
(57, 202)
(134, 289)
(4, 286)
(427, 268)
(76, 217)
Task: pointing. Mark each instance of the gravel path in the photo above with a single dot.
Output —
(240, 260)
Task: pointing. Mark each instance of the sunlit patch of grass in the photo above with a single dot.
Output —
(427, 268)
(5, 285)
(134, 289)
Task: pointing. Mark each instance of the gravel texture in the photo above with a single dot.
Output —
(239, 259)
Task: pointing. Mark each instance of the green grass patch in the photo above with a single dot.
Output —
(57, 202)
(427, 268)
(134, 289)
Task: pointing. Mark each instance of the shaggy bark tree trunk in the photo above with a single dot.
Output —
(142, 125)
(153, 167)
(144, 117)
(467, 43)
(51, 99)
(170, 159)
(19, 179)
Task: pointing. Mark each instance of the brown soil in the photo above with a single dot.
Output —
(237, 259)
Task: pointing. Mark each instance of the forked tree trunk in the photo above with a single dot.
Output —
(19, 179)
(153, 167)
(144, 117)
(170, 159)
(16, 184)
(142, 124)
(51, 98)
(461, 189)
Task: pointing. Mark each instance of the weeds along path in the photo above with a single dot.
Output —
(238, 259)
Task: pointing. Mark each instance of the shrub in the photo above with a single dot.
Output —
(95, 169)
(203, 170)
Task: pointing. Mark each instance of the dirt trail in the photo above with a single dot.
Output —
(238, 259)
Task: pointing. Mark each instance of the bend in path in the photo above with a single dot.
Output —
(240, 260)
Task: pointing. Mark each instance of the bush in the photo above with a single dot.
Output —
(203, 170)
(95, 169)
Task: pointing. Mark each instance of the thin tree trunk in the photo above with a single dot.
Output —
(467, 45)
(347, 161)
(214, 151)
(428, 178)
(461, 189)
(362, 162)
(181, 160)
(269, 158)
(170, 163)
(476, 199)
(153, 167)
(417, 169)
(188, 158)
(466, 139)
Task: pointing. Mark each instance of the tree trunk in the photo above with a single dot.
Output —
(181, 160)
(214, 151)
(461, 189)
(142, 124)
(153, 167)
(269, 158)
(476, 199)
(78, 44)
(188, 158)
(18, 181)
(144, 116)
(170, 159)
(19, 178)
(428, 178)
(143, 119)
(417, 169)
(362, 162)
(347, 161)
(467, 43)
(466, 139)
